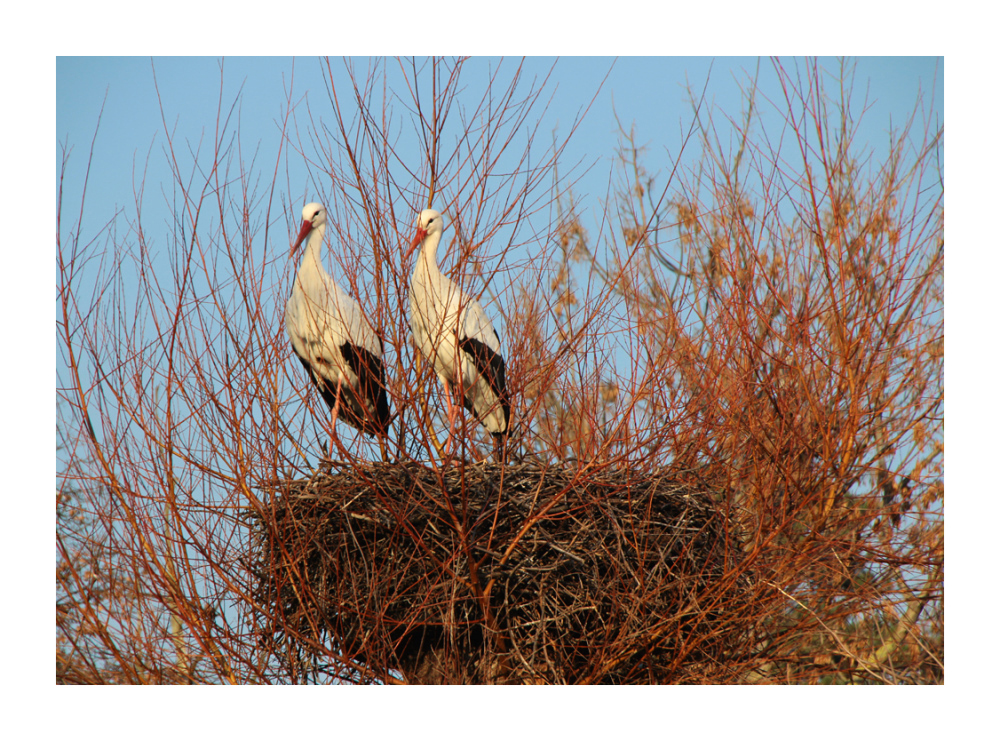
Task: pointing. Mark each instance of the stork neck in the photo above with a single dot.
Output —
(312, 264)
(428, 253)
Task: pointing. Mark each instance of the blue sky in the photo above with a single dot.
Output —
(650, 94)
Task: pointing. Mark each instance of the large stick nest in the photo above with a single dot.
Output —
(516, 574)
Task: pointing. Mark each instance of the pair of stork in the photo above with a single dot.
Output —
(342, 352)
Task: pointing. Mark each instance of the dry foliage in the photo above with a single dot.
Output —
(728, 442)
(522, 573)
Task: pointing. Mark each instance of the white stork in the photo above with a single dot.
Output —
(340, 350)
(453, 332)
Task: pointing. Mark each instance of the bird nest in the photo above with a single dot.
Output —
(483, 573)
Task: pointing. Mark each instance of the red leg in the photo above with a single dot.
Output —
(333, 418)
(451, 422)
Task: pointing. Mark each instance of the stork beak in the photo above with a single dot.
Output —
(303, 233)
(417, 239)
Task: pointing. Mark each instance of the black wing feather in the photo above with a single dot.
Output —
(490, 366)
(371, 375)
(371, 378)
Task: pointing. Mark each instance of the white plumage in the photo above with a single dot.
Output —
(335, 342)
(453, 332)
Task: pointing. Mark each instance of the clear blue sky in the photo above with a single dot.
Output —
(651, 94)
(647, 91)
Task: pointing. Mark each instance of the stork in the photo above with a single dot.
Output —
(453, 332)
(337, 345)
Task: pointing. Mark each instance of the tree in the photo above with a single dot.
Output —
(795, 332)
(768, 322)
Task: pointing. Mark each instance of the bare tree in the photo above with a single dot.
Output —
(727, 427)
(788, 295)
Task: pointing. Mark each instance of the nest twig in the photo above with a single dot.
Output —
(517, 574)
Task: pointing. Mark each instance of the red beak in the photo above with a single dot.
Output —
(303, 233)
(417, 239)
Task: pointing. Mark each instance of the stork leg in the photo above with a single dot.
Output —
(333, 416)
(452, 414)
(500, 447)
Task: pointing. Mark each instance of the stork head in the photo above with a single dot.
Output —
(313, 216)
(429, 224)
